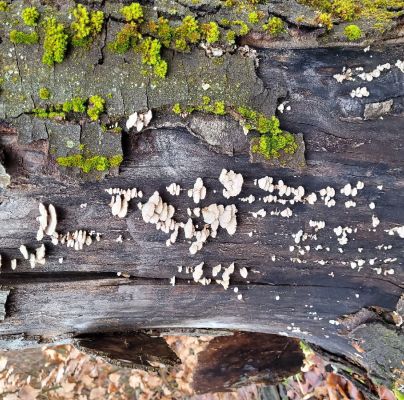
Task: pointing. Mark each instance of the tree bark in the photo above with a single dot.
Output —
(325, 296)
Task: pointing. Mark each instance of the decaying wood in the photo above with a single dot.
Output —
(130, 350)
(239, 360)
(83, 295)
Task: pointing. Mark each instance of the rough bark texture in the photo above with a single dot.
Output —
(345, 139)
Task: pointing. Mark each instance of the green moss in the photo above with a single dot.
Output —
(18, 37)
(3, 6)
(115, 161)
(162, 30)
(187, 33)
(275, 26)
(88, 164)
(272, 139)
(243, 27)
(253, 17)
(44, 93)
(352, 33)
(345, 9)
(85, 25)
(381, 11)
(56, 41)
(270, 145)
(211, 32)
(45, 113)
(125, 39)
(231, 37)
(78, 105)
(150, 49)
(325, 19)
(30, 16)
(96, 107)
(177, 108)
(132, 12)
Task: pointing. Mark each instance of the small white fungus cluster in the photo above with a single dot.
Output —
(398, 230)
(369, 76)
(156, 211)
(120, 200)
(218, 215)
(76, 239)
(400, 65)
(198, 192)
(360, 92)
(47, 221)
(345, 75)
(38, 257)
(139, 120)
(317, 225)
(342, 234)
(327, 195)
(174, 189)
(232, 183)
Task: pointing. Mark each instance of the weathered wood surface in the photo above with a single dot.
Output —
(84, 294)
(244, 358)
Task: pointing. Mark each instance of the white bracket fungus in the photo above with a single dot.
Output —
(155, 211)
(400, 65)
(346, 75)
(24, 251)
(250, 199)
(139, 120)
(198, 192)
(225, 281)
(219, 215)
(399, 230)
(47, 221)
(174, 189)
(360, 92)
(120, 200)
(232, 183)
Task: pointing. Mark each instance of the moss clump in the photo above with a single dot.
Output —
(211, 32)
(243, 28)
(345, 9)
(79, 105)
(30, 16)
(253, 17)
(18, 37)
(162, 30)
(125, 39)
(86, 25)
(352, 33)
(177, 108)
(56, 41)
(50, 113)
(231, 37)
(44, 93)
(187, 33)
(150, 50)
(92, 163)
(96, 107)
(325, 19)
(3, 6)
(380, 11)
(272, 139)
(270, 145)
(130, 34)
(132, 12)
(275, 26)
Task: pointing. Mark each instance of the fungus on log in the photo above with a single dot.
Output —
(298, 227)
